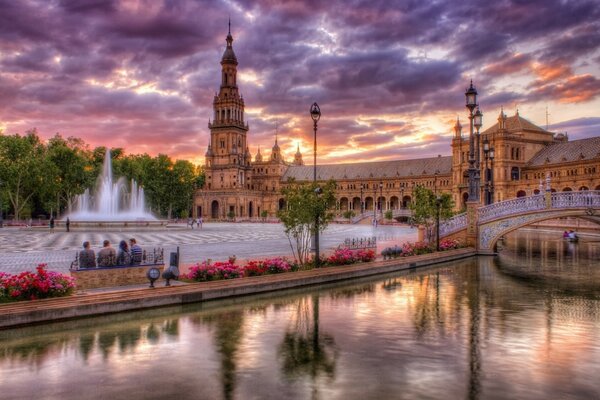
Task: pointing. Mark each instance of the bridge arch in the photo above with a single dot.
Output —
(495, 220)
(489, 234)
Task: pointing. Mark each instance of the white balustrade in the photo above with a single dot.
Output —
(454, 224)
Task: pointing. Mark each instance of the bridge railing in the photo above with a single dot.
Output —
(580, 199)
(453, 224)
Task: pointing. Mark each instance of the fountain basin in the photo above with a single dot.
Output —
(112, 225)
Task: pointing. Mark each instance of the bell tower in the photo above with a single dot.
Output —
(228, 158)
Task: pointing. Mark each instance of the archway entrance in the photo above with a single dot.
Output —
(214, 209)
(250, 210)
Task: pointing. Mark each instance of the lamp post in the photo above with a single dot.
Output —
(315, 114)
(478, 122)
(492, 155)
(438, 205)
(362, 205)
(374, 205)
(486, 173)
(380, 198)
(402, 198)
(471, 103)
(435, 175)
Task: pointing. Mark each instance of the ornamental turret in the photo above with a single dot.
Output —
(298, 157)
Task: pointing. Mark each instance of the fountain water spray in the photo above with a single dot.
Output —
(112, 201)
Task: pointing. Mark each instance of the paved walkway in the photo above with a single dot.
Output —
(22, 249)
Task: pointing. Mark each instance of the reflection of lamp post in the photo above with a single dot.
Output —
(438, 205)
(315, 114)
(492, 155)
(471, 95)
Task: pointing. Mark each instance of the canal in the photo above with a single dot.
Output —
(524, 324)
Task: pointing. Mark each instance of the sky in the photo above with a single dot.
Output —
(389, 76)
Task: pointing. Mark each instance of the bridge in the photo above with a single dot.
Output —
(400, 212)
(483, 226)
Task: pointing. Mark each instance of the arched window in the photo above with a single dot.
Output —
(521, 193)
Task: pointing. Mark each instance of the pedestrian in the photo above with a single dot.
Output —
(136, 252)
(199, 221)
(87, 257)
(68, 224)
(107, 256)
(51, 224)
(123, 256)
(191, 222)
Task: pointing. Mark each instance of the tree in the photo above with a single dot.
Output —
(72, 170)
(303, 205)
(24, 169)
(424, 209)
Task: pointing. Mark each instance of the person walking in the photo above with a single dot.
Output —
(87, 257)
(199, 221)
(51, 224)
(68, 224)
(136, 252)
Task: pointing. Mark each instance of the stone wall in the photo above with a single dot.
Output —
(90, 278)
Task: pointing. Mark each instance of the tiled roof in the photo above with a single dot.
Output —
(372, 170)
(516, 123)
(575, 150)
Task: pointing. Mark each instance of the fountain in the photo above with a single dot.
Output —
(113, 204)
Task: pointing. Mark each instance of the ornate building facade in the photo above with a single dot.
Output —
(526, 159)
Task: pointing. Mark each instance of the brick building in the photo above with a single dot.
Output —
(527, 158)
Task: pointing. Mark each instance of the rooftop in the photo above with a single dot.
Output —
(373, 170)
(567, 152)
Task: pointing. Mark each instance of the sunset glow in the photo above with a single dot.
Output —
(389, 76)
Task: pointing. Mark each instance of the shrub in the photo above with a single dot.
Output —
(449, 244)
(345, 256)
(35, 285)
(211, 272)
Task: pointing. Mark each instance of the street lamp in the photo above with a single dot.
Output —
(374, 204)
(438, 205)
(486, 174)
(402, 198)
(471, 103)
(315, 114)
(362, 206)
(379, 201)
(492, 155)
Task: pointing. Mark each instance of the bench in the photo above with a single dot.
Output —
(118, 275)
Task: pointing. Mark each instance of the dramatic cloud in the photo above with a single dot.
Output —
(389, 75)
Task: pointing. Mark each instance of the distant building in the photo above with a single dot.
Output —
(528, 159)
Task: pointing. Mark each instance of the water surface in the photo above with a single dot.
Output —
(522, 325)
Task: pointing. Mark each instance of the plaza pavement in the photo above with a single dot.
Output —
(23, 249)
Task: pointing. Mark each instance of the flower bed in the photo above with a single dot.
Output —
(204, 271)
(345, 256)
(418, 248)
(35, 285)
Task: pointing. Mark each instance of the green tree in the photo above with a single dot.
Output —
(72, 169)
(303, 204)
(24, 169)
(424, 208)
